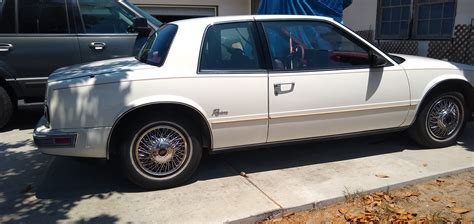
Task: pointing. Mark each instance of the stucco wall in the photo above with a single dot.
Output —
(465, 12)
(225, 7)
(361, 15)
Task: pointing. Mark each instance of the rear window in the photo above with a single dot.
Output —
(156, 48)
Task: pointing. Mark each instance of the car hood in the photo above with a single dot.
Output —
(418, 62)
(98, 68)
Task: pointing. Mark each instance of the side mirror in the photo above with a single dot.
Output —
(377, 61)
(140, 26)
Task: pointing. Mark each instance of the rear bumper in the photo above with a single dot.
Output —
(84, 142)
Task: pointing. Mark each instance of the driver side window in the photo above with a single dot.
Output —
(309, 45)
(105, 16)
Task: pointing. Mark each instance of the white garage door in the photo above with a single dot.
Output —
(195, 11)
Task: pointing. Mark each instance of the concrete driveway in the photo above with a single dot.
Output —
(36, 188)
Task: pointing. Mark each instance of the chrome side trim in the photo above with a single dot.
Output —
(31, 79)
(336, 110)
(306, 113)
(238, 119)
(303, 140)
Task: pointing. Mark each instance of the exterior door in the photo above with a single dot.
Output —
(232, 74)
(40, 43)
(322, 83)
(104, 33)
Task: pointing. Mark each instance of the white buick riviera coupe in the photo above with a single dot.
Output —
(212, 84)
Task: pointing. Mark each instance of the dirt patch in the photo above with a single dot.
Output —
(447, 199)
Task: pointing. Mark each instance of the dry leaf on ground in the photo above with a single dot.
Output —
(435, 198)
(343, 210)
(460, 210)
(411, 193)
(381, 176)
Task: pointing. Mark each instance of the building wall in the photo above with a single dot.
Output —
(361, 17)
(225, 7)
(362, 14)
(465, 12)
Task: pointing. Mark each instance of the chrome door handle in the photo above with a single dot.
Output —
(5, 47)
(283, 88)
(98, 46)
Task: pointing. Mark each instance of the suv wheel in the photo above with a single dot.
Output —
(440, 121)
(6, 107)
(160, 153)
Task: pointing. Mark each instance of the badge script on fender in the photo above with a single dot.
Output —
(218, 112)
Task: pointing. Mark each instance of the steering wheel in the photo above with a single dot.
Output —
(297, 56)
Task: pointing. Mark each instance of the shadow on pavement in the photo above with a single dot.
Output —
(70, 177)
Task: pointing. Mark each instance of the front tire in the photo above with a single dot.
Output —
(440, 121)
(6, 108)
(160, 153)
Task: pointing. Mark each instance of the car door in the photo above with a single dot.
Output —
(232, 84)
(322, 83)
(39, 43)
(104, 30)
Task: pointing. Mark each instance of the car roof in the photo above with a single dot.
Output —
(221, 19)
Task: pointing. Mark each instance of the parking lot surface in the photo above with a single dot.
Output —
(37, 188)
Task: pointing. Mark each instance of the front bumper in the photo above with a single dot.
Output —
(84, 142)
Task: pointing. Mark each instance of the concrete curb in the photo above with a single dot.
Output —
(281, 212)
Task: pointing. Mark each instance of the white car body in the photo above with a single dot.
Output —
(238, 109)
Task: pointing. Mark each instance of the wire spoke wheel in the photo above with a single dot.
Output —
(161, 150)
(444, 118)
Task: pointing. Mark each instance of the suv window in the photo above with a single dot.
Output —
(42, 16)
(156, 48)
(313, 46)
(7, 16)
(105, 16)
(230, 47)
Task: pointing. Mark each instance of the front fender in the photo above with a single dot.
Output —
(433, 83)
(161, 99)
(418, 97)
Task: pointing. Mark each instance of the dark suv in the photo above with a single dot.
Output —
(40, 36)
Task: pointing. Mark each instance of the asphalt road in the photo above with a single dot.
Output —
(36, 188)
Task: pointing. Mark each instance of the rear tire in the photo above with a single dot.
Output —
(160, 152)
(6, 108)
(440, 121)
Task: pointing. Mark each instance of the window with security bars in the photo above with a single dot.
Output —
(415, 19)
(434, 19)
(393, 20)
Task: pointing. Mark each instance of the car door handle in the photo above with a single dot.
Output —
(98, 46)
(283, 88)
(5, 47)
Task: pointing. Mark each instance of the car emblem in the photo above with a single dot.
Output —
(218, 112)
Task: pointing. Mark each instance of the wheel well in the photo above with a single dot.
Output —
(451, 85)
(192, 115)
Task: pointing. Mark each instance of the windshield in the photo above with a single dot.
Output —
(147, 16)
(156, 48)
